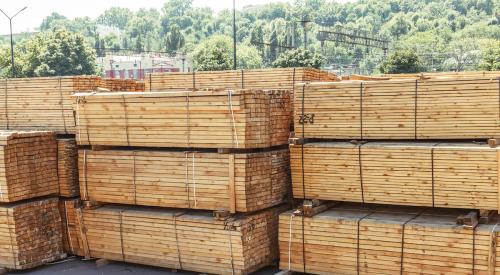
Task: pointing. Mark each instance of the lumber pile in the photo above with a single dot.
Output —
(236, 182)
(436, 108)
(67, 167)
(452, 175)
(46, 103)
(30, 234)
(29, 165)
(241, 119)
(278, 78)
(480, 74)
(191, 240)
(69, 209)
(354, 239)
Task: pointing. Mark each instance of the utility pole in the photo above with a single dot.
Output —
(12, 40)
(304, 26)
(235, 65)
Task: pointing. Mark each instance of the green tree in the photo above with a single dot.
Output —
(53, 21)
(115, 17)
(5, 62)
(174, 40)
(491, 58)
(214, 54)
(248, 57)
(57, 53)
(298, 58)
(406, 61)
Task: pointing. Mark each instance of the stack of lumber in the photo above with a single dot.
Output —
(30, 234)
(452, 175)
(242, 119)
(28, 165)
(354, 239)
(279, 78)
(437, 108)
(482, 74)
(178, 239)
(46, 103)
(67, 167)
(69, 209)
(243, 182)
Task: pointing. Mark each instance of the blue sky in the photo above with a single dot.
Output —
(39, 9)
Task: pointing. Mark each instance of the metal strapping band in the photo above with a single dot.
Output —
(61, 99)
(231, 109)
(416, 107)
(85, 173)
(432, 176)
(187, 179)
(126, 119)
(357, 243)
(401, 267)
(360, 162)
(177, 239)
(188, 121)
(6, 104)
(121, 234)
(229, 229)
(194, 181)
(134, 177)
(474, 249)
(290, 242)
(361, 110)
(302, 145)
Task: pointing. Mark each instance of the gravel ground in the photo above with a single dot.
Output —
(77, 266)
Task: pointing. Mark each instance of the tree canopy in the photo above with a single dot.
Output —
(298, 58)
(56, 53)
(434, 29)
(402, 62)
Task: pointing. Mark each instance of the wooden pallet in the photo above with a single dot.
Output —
(29, 165)
(191, 240)
(437, 108)
(355, 239)
(46, 103)
(67, 167)
(278, 78)
(451, 175)
(244, 182)
(70, 225)
(30, 234)
(241, 119)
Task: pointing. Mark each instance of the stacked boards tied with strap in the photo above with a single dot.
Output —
(30, 234)
(29, 165)
(46, 103)
(436, 108)
(70, 211)
(243, 119)
(236, 182)
(278, 78)
(191, 240)
(451, 175)
(356, 239)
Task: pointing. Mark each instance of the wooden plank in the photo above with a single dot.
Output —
(232, 188)
(67, 167)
